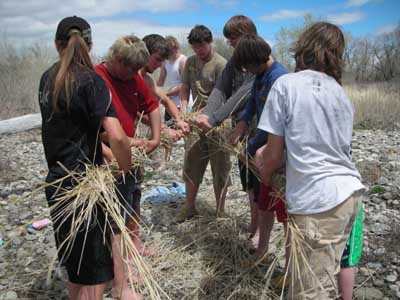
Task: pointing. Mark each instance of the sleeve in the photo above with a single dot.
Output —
(99, 102)
(148, 101)
(220, 92)
(233, 104)
(250, 107)
(274, 114)
(185, 78)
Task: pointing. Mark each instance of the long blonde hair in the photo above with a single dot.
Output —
(73, 53)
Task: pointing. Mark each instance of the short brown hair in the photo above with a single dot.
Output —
(252, 50)
(320, 47)
(199, 34)
(239, 25)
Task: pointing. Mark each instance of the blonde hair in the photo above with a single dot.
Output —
(130, 50)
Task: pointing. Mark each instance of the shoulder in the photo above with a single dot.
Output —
(191, 60)
(219, 59)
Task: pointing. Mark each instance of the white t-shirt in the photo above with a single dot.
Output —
(311, 110)
(174, 76)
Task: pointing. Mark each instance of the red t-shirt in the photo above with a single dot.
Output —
(128, 98)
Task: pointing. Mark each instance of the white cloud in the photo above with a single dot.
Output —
(346, 18)
(224, 4)
(105, 32)
(386, 29)
(357, 3)
(285, 14)
(47, 9)
(27, 22)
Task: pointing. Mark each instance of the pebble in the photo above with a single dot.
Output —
(391, 278)
(10, 295)
(376, 153)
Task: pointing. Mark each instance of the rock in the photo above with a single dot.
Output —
(394, 288)
(10, 295)
(391, 278)
(368, 293)
(379, 283)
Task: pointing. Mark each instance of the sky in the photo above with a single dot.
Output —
(24, 23)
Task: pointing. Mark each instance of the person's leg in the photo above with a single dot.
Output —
(86, 292)
(316, 250)
(350, 258)
(194, 167)
(221, 169)
(346, 283)
(121, 289)
(265, 224)
(253, 226)
(266, 216)
(248, 187)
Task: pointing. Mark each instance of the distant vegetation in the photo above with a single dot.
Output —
(372, 74)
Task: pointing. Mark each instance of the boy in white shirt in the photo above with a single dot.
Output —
(309, 114)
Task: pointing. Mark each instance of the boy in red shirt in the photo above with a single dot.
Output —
(131, 97)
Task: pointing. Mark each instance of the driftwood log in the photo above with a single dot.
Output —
(21, 123)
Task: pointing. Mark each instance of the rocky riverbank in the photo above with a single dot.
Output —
(26, 255)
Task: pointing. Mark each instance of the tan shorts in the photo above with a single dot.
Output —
(199, 149)
(325, 235)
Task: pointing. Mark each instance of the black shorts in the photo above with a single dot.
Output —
(249, 180)
(87, 257)
(129, 193)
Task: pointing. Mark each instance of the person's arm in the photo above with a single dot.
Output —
(233, 104)
(163, 75)
(184, 96)
(119, 143)
(107, 153)
(271, 158)
(155, 126)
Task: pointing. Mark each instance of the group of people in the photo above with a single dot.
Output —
(299, 124)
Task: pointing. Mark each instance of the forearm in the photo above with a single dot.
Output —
(169, 105)
(174, 91)
(119, 143)
(271, 158)
(155, 126)
(184, 96)
(231, 106)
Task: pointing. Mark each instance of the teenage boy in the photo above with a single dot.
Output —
(131, 96)
(254, 54)
(227, 99)
(199, 76)
(159, 51)
(309, 114)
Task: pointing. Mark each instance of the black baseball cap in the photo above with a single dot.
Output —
(74, 22)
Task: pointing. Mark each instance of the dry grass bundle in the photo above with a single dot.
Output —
(208, 258)
(95, 189)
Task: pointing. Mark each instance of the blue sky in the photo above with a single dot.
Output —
(27, 22)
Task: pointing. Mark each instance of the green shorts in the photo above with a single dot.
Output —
(353, 249)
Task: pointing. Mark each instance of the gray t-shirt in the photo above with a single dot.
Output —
(311, 110)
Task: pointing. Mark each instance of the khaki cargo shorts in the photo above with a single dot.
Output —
(325, 236)
(199, 149)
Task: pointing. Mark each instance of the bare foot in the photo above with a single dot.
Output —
(125, 294)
